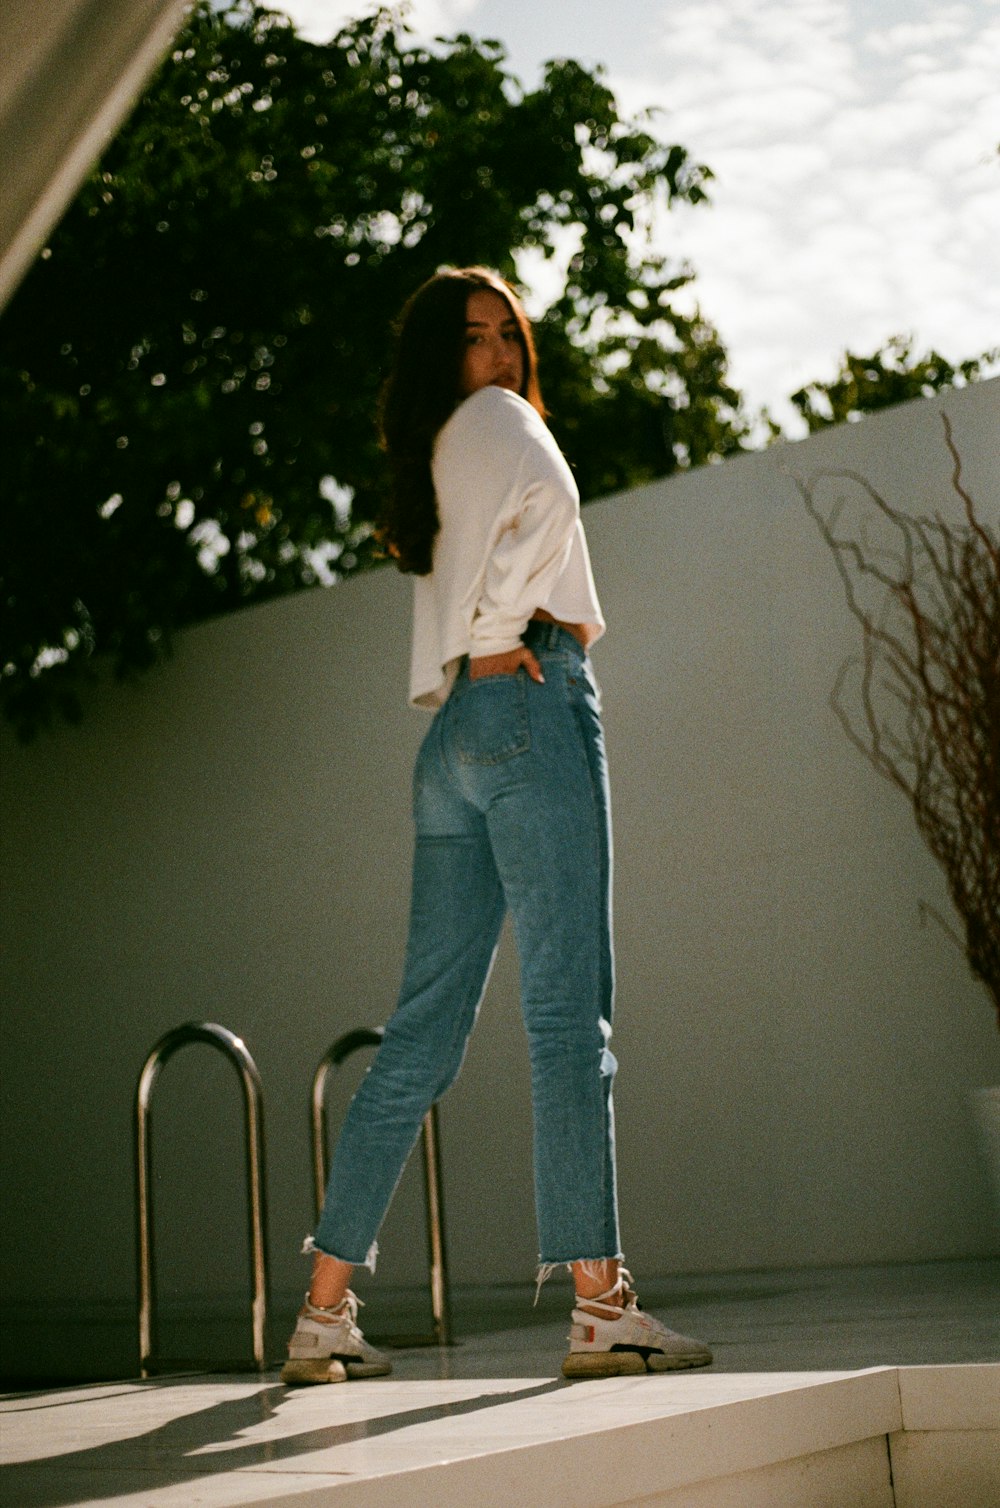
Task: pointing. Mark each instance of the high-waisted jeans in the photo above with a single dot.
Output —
(511, 812)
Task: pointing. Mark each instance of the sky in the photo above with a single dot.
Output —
(854, 147)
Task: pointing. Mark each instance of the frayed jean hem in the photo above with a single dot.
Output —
(589, 1265)
(309, 1248)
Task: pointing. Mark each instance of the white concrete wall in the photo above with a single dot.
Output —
(229, 840)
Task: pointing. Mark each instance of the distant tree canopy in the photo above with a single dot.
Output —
(893, 374)
(189, 373)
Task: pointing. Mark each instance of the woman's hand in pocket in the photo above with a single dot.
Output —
(506, 664)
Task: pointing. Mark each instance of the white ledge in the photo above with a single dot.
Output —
(704, 1440)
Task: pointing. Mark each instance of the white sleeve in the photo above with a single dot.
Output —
(529, 553)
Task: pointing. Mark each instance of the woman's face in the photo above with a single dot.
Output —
(493, 356)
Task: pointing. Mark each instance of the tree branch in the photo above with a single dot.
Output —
(925, 705)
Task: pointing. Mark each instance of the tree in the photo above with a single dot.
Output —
(893, 374)
(190, 371)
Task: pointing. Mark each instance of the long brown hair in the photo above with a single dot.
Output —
(421, 393)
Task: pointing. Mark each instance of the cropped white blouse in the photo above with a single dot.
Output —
(510, 541)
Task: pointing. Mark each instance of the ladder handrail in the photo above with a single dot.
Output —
(365, 1036)
(371, 1036)
(235, 1049)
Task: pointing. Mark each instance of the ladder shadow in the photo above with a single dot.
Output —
(166, 1455)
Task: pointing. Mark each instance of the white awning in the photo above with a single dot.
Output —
(70, 72)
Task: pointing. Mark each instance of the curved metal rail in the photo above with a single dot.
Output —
(236, 1051)
(431, 1145)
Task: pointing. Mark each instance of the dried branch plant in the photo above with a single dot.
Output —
(922, 700)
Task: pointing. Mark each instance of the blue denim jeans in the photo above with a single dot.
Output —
(511, 811)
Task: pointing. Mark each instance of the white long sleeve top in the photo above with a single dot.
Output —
(510, 541)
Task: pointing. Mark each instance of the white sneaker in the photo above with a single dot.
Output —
(327, 1346)
(628, 1341)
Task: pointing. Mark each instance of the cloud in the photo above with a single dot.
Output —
(913, 39)
(857, 189)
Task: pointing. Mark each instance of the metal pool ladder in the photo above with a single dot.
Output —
(431, 1145)
(236, 1051)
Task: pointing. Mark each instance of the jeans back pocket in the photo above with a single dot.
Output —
(490, 719)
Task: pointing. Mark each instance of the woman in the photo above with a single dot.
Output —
(511, 811)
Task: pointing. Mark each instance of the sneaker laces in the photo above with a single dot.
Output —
(347, 1308)
(622, 1286)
